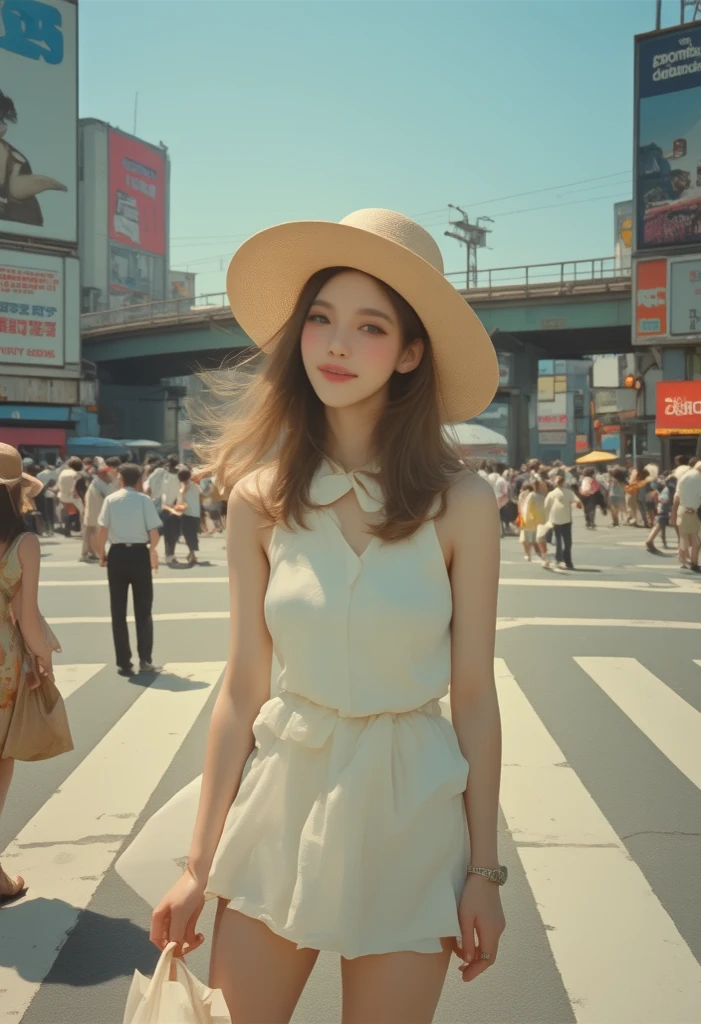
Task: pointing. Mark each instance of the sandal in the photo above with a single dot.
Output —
(11, 888)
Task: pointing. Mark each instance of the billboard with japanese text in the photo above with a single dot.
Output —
(678, 407)
(33, 309)
(39, 120)
(136, 194)
(667, 176)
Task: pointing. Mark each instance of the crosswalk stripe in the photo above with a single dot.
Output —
(630, 966)
(66, 848)
(47, 584)
(661, 714)
(70, 678)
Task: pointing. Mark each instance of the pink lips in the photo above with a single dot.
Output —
(337, 374)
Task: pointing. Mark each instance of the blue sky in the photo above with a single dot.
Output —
(277, 111)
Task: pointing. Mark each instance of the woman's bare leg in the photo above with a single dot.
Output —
(260, 974)
(393, 988)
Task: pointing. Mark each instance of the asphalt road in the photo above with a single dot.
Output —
(599, 679)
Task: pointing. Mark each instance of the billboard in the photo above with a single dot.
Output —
(552, 414)
(685, 296)
(39, 120)
(678, 407)
(650, 300)
(33, 309)
(182, 286)
(667, 174)
(136, 194)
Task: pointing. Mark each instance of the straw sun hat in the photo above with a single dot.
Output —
(11, 471)
(268, 272)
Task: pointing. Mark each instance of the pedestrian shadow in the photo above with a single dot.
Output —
(187, 566)
(101, 948)
(166, 681)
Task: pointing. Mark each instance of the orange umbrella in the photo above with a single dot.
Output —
(596, 457)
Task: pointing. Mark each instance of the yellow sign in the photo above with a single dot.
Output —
(626, 231)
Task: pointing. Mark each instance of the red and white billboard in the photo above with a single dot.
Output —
(137, 194)
(678, 407)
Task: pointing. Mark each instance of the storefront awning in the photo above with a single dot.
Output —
(34, 437)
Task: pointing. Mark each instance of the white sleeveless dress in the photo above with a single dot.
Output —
(348, 832)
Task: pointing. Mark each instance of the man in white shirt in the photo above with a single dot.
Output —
(685, 515)
(558, 509)
(129, 521)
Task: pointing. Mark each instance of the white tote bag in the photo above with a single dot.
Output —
(185, 1000)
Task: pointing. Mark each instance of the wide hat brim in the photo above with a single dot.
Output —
(267, 273)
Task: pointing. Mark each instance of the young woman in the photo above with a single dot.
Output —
(534, 518)
(363, 571)
(617, 494)
(189, 505)
(19, 588)
(589, 492)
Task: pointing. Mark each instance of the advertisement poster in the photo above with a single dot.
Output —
(678, 407)
(135, 277)
(667, 177)
(685, 296)
(650, 300)
(137, 194)
(182, 286)
(552, 415)
(39, 119)
(31, 309)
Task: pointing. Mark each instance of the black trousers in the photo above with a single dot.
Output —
(171, 531)
(190, 526)
(563, 543)
(130, 566)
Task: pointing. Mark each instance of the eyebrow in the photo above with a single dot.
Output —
(361, 312)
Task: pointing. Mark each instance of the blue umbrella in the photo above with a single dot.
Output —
(94, 446)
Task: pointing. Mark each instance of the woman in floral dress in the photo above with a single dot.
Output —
(19, 586)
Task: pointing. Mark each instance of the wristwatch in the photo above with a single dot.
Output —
(498, 875)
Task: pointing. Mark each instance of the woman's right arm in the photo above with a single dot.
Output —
(244, 689)
(26, 604)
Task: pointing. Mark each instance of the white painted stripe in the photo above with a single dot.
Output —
(502, 623)
(156, 581)
(630, 966)
(90, 567)
(660, 713)
(676, 587)
(67, 847)
(509, 623)
(94, 620)
(70, 678)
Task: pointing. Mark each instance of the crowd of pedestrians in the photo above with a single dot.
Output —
(73, 493)
(538, 502)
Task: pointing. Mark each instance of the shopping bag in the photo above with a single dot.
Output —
(39, 726)
(173, 996)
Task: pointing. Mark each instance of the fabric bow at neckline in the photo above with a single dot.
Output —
(331, 482)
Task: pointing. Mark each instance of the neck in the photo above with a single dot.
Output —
(350, 433)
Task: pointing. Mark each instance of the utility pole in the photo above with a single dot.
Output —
(694, 9)
(472, 236)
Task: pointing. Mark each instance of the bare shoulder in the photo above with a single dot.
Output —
(28, 549)
(471, 494)
(253, 487)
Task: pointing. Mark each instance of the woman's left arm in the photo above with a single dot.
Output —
(474, 573)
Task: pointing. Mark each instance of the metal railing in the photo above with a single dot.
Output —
(562, 278)
(168, 310)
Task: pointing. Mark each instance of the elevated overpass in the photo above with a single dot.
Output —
(557, 310)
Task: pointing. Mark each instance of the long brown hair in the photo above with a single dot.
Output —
(14, 501)
(280, 421)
